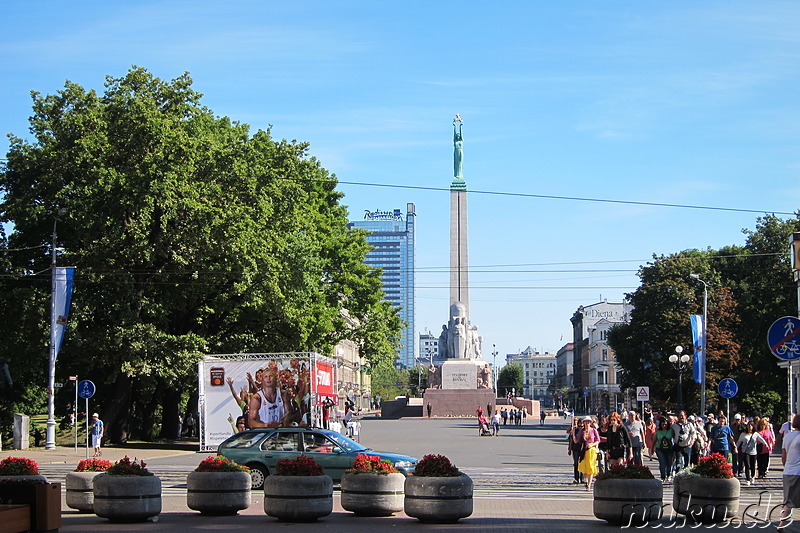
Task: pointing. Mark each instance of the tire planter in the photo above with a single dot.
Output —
(373, 494)
(628, 502)
(126, 498)
(298, 498)
(706, 500)
(79, 491)
(438, 499)
(218, 493)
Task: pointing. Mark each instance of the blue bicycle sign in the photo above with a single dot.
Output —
(783, 337)
(727, 388)
(86, 389)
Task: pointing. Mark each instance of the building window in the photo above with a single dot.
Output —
(601, 378)
(605, 354)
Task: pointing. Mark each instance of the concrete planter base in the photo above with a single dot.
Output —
(438, 499)
(298, 498)
(218, 493)
(373, 494)
(126, 498)
(706, 500)
(80, 494)
(628, 502)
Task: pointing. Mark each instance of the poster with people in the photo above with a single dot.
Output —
(239, 392)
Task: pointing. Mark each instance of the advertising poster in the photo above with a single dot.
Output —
(245, 392)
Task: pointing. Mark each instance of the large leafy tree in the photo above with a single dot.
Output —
(190, 236)
(510, 379)
(748, 288)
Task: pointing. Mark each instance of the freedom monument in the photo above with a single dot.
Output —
(463, 382)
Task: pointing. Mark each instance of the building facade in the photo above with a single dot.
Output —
(595, 383)
(392, 239)
(539, 370)
(562, 383)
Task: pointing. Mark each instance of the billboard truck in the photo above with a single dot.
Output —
(243, 391)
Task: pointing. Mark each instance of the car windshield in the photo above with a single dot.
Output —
(242, 440)
(345, 443)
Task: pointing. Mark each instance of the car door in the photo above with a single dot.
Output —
(326, 452)
(280, 445)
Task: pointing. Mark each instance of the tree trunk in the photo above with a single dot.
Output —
(170, 413)
(116, 412)
(149, 409)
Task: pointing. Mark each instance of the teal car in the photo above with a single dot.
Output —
(261, 449)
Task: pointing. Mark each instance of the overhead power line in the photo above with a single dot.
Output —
(571, 198)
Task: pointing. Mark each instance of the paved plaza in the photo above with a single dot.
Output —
(523, 482)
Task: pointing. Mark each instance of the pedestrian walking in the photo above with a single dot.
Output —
(496, 423)
(574, 451)
(542, 417)
(790, 457)
(589, 439)
(665, 449)
(97, 430)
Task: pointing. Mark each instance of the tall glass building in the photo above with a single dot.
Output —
(392, 238)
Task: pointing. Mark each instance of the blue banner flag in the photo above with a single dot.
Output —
(62, 295)
(698, 338)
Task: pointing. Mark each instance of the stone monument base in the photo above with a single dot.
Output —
(458, 402)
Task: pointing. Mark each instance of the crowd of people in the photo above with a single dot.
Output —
(674, 440)
(491, 425)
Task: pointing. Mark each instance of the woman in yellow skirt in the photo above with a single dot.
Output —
(590, 438)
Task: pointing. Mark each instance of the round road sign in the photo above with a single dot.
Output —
(783, 338)
(86, 389)
(728, 388)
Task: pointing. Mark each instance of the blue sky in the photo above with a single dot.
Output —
(678, 103)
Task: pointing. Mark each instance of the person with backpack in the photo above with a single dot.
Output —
(664, 449)
(722, 438)
(684, 435)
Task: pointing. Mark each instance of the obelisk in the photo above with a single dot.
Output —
(459, 268)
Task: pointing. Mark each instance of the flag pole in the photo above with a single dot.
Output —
(50, 432)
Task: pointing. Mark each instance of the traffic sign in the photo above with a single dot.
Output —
(57, 385)
(86, 389)
(642, 394)
(782, 338)
(728, 388)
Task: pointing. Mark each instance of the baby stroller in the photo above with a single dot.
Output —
(484, 430)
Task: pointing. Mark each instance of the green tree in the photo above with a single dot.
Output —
(510, 379)
(417, 379)
(190, 236)
(389, 382)
(749, 287)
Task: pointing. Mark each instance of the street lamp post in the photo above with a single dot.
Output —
(680, 362)
(705, 345)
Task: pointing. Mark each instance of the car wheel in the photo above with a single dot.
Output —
(258, 474)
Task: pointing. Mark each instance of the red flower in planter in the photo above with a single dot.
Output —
(302, 465)
(434, 465)
(18, 466)
(93, 465)
(371, 464)
(220, 464)
(714, 466)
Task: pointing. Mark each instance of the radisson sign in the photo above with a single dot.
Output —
(383, 215)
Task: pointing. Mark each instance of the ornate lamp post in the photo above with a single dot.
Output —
(680, 362)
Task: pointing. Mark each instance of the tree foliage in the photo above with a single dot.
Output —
(510, 379)
(190, 236)
(749, 287)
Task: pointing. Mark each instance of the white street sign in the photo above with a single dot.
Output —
(642, 394)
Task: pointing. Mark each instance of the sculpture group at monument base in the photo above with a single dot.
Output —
(457, 402)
